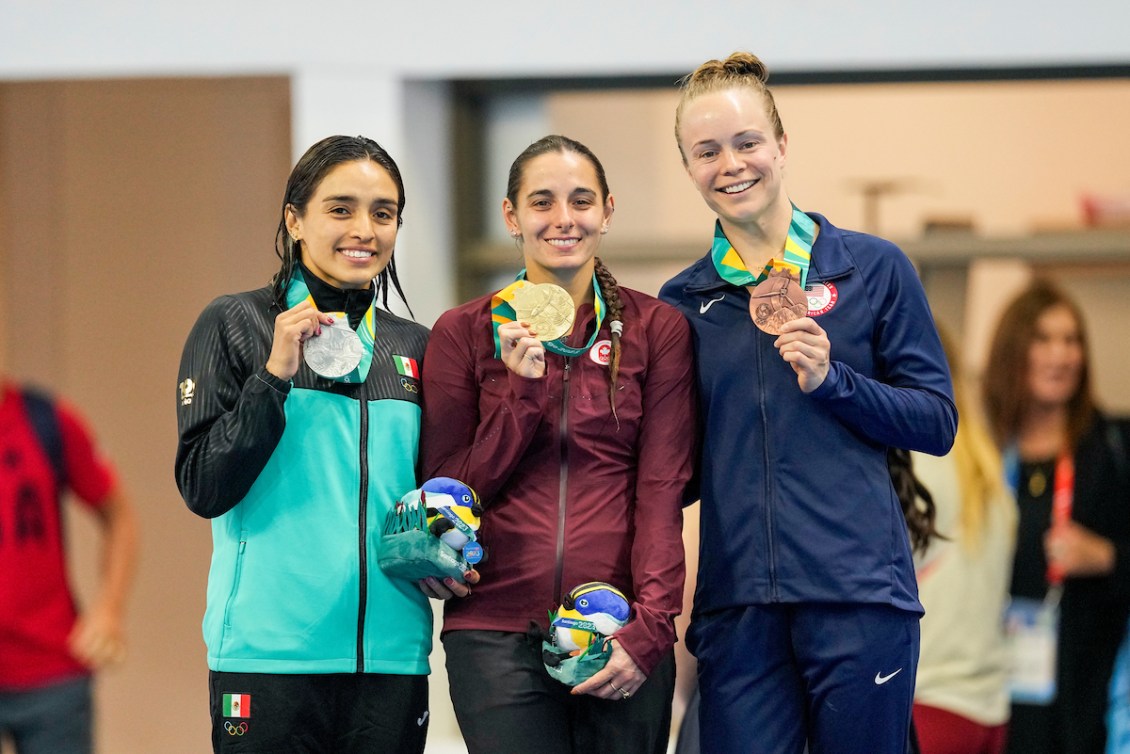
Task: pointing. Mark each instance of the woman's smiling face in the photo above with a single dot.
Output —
(560, 213)
(347, 231)
(732, 154)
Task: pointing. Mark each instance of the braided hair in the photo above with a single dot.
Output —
(610, 290)
(304, 180)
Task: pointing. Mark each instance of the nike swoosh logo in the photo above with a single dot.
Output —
(420, 722)
(880, 679)
(702, 308)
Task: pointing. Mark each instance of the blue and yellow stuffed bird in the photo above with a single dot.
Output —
(453, 510)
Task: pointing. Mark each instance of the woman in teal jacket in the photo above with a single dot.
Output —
(299, 419)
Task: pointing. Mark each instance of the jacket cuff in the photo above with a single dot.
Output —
(645, 644)
(273, 382)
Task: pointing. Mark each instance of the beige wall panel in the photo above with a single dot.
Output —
(128, 206)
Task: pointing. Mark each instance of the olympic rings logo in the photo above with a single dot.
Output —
(235, 730)
(411, 387)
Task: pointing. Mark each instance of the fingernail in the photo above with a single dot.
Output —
(449, 581)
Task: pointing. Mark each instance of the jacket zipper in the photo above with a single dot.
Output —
(768, 477)
(563, 436)
(362, 518)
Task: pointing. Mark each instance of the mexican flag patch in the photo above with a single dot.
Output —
(237, 705)
(406, 366)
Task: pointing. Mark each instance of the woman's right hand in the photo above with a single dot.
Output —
(522, 353)
(292, 328)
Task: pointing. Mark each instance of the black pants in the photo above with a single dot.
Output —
(506, 702)
(304, 714)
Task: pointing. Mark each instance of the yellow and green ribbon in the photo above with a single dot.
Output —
(502, 311)
(796, 256)
(297, 292)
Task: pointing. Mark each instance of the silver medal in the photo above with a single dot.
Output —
(336, 352)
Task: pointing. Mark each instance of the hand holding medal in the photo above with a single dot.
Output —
(292, 327)
(522, 350)
(335, 351)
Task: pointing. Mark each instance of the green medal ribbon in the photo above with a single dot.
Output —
(502, 311)
(796, 258)
(297, 292)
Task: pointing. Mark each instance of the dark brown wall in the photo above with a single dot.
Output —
(125, 206)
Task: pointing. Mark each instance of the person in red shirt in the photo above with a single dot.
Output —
(580, 449)
(48, 645)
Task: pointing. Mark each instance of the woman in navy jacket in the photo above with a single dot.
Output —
(806, 612)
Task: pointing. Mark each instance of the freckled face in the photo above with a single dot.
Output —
(732, 155)
(347, 231)
(1055, 358)
(560, 215)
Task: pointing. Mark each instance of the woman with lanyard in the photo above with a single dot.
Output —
(567, 402)
(1068, 465)
(815, 354)
(299, 417)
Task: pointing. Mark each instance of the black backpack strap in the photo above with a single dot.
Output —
(45, 422)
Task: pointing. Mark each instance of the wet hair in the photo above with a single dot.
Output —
(1006, 392)
(609, 288)
(304, 180)
(740, 70)
(917, 503)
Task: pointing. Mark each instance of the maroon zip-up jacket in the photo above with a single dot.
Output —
(569, 495)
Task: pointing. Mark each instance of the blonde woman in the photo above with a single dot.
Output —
(815, 354)
(961, 696)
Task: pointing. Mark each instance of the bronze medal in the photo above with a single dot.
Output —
(776, 300)
(547, 308)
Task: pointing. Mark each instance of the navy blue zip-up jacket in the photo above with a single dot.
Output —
(797, 502)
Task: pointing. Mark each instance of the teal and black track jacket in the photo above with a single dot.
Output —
(297, 479)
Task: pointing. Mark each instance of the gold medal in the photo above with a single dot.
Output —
(1037, 483)
(547, 308)
(776, 300)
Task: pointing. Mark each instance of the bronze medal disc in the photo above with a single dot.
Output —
(548, 309)
(776, 300)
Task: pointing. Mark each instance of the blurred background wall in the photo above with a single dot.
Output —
(143, 151)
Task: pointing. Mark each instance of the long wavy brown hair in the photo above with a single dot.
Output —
(1006, 393)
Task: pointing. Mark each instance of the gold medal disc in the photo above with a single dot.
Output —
(548, 309)
(776, 300)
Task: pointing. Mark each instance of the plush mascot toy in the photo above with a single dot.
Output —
(577, 645)
(453, 511)
(432, 531)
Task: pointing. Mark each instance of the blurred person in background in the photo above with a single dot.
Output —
(961, 701)
(1067, 463)
(50, 645)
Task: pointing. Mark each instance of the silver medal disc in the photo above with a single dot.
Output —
(336, 352)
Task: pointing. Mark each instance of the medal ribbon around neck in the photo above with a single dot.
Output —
(501, 312)
(796, 258)
(297, 292)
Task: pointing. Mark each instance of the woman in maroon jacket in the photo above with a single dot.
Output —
(580, 449)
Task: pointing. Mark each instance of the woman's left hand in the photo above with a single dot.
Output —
(805, 346)
(617, 680)
(1077, 551)
(448, 587)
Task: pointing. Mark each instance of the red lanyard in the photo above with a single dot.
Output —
(1063, 497)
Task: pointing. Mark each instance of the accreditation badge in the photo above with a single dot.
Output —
(1031, 632)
